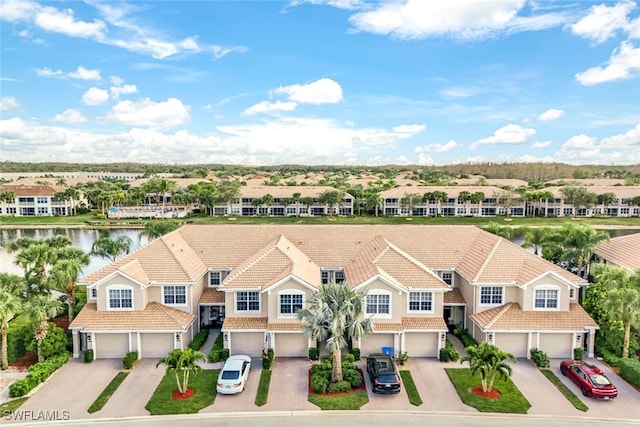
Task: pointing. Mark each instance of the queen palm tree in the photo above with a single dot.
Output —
(579, 243)
(182, 363)
(375, 201)
(536, 238)
(111, 249)
(333, 315)
(65, 273)
(10, 307)
(489, 361)
(40, 308)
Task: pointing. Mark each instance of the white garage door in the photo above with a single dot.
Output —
(291, 345)
(557, 346)
(515, 344)
(249, 343)
(373, 343)
(421, 344)
(111, 346)
(156, 345)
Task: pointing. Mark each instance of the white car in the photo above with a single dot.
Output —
(234, 374)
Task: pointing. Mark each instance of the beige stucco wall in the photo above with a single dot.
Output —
(563, 296)
(103, 295)
(273, 299)
(397, 302)
(230, 304)
(196, 292)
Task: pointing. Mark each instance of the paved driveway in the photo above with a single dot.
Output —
(240, 402)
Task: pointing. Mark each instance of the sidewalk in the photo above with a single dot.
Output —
(6, 379)
(206, 348)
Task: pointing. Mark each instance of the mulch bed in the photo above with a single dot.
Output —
(491, 394)
(338, 393)
(61, 322)
(23, 362)
(176, 395)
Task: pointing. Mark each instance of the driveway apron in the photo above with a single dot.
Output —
(289, 386)
(132, 395)
(73, 388)
(240, 402)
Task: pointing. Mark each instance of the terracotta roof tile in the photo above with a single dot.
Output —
(290, 326)
(154, 317)
(387, 326)
(424, 323)
(623, 251)
(211, 296)
(244, 323)
(511, 317)
(454, 296)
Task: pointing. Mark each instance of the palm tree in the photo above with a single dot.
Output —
(606, 199)
(332, 315)
(622, 302)
(11, 305)
(498, 230)
(40, 308)
(440, 197)
(155, 229)
(489, 360)
(65, 273)
(267, 200)
(331, 198)
(111, 248)
(296, 199)
(536, 238)
(183, 363)
(579, 243)
(375, 201)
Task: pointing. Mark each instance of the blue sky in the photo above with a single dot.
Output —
(315, 82)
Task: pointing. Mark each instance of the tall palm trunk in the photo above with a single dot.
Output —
(5, 353)
(336, 373)
(40, 334)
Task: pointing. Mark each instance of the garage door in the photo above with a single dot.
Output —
(156, 345)
(111, 345)
(557, 346)
(515, 344)
(373, 343)
(291, 345)
(249, 343)
(421, 344)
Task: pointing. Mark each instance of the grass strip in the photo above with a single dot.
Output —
(410, 387)
(263, 387)
(510, 400)
(346, 402)
(8, 407)
(204, 384)
(571, 397)
(107, 392)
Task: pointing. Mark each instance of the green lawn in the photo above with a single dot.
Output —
(12, 405)
(107, 392)
(410, 387)
(571, 397)
(263, 387)
(204, 384)
(510, 401)
(351, 401)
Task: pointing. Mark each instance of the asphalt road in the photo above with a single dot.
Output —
(350, 418)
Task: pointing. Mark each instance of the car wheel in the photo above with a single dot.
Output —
(563, 370)
(584, 391)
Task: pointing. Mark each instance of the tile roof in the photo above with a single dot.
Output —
(290, 326)
(424, 323)
(623, 251)
(244, 323)
(154, 317)
(511, 317)
(454, 296)
(211, 296)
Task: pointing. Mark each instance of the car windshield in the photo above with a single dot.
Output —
(230, 375)
(387, 378)
(599, 379)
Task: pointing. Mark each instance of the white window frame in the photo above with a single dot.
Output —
(331, 274)
(546, 289)
(377, 293)
(420, 301)
(491, 295)
(165, 294)
(120, 288)
(447, 273)
(290, 292)
(93, 293)
(248, 301)
(222, 274)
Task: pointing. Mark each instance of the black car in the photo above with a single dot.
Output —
(383, 374)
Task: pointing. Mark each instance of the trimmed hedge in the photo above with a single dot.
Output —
(37, 374)
(18, 337)
(88, 356)
(539, 357)
(214, 355)
(464, 336)
(267, 359)
(130, 359)
(630, 370)
(356, 353)
(199, 340)
(314, 353)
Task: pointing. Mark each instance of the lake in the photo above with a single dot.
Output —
(83, 238)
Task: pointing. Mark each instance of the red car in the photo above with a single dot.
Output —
(589, 378)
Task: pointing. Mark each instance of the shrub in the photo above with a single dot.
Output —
(321, 369)
(444, 355)
(630, 370)
(319, 383)
(314, 353)
(130, 359)
(37, 373)
(224, 354)
(214, 354)
(88, 356)
(21, 387)
(267, 359)
(53, 344)
(402, 358)
(539, 357)
(349, 358)
(199, 340)
(356, 353)
(353, 377)
(454, 355)
(339, 386)
(326, 358)
(464, 336)
(18, 336)
(578, 352)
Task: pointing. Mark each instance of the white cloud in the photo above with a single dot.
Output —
(270, 107)
(147, 113)
(437, 148)
(461, 19)
(64, 22)
(541, 144)
(425, 159)
(95, 96)
(551, 114)
(340, 4)
(460, 92)
(579, 142)
(17, 10)
(603, 21)
(81, 73)
(628, 139)
(8, 103)
(70, 116)
(120, 88)
(323, 91)
(624, 63)
(509, 134)
(410, 129)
